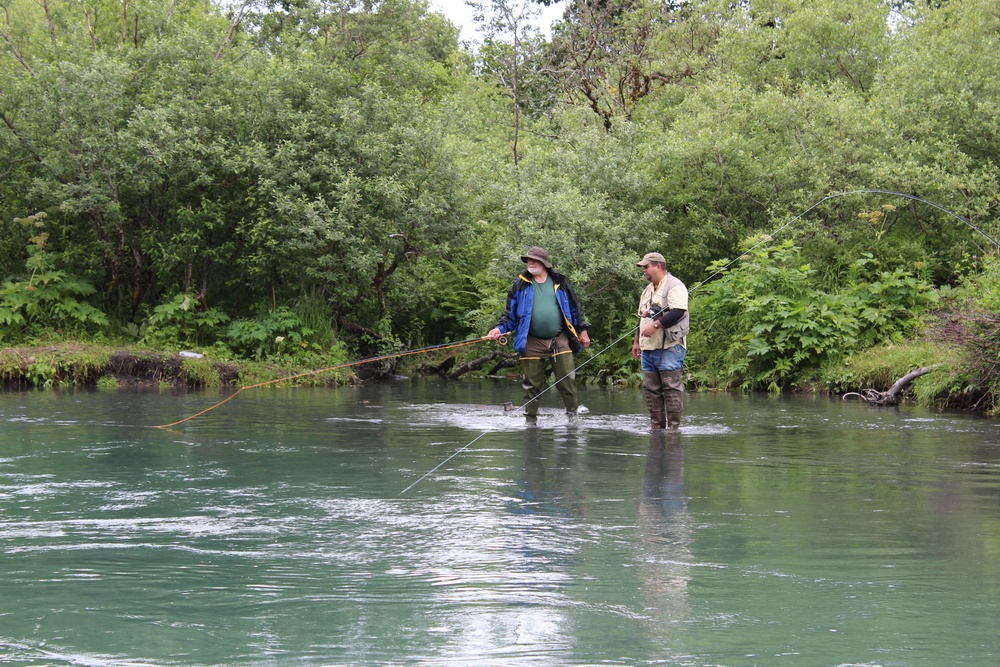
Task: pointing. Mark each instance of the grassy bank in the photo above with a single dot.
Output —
(955, 384)
(82, 364)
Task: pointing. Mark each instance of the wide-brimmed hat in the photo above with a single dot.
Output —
(652, 257)
(538, 254)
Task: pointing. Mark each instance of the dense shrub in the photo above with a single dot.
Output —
(766, 325)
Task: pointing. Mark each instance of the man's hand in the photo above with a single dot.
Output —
(494, 333)
(636, 352)
(585, 339)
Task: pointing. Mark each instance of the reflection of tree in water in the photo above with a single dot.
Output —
(663, 527)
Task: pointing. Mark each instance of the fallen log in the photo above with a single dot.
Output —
(442, 368)
(506, 359)
(891, 396)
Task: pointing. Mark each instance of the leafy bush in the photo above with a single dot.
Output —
(280, 335)
(968, 324)
(765, 324)
(48, 299)
(615, 367)
(890, 302)
(179, 321)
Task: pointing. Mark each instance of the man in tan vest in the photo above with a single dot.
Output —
(661, 341)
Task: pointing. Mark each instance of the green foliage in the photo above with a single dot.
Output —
(790, 43)
(878, 367)
(615, 367)
(765, 324)
(955, 102)
(314, 313)
(48, 299)
(350, 160)
(968, 325)
(281, 335)
(182, 321)
(55, 365)
(107, 383)
(41, 374)
(200, 372)
(443, 301)
(953, 384)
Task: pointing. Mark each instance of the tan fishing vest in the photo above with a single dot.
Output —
(663, 338)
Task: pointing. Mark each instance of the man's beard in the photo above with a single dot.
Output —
(534, 270)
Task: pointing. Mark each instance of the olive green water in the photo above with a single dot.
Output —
(276, 531)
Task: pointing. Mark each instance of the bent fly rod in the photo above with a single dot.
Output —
(443, 346)
(719, 271)
(627, 334)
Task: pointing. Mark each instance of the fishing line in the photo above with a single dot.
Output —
(767, 239)
(442, 346)
(520, 407)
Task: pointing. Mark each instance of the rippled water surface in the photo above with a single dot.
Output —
(415, 523)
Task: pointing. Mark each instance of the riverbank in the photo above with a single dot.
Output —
(81, 364)
(75, 364)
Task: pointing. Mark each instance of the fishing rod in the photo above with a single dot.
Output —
(442, 346)
(718, 272)
(835, 195)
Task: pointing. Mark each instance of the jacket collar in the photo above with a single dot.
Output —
(557, 277)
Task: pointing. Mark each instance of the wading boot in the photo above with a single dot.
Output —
(653, 386)
(673, 397)
(533, 382)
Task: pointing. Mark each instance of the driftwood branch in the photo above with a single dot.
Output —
(891, 396)
(442, 368)
(506, 359)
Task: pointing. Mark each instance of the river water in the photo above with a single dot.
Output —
(416, 523)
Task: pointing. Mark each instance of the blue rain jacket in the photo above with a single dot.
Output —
(520, 299)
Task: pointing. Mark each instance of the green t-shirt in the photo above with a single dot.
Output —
(546, 319)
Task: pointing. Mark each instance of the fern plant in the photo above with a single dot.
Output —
(180, 320)
(765, 324)
(47, 300)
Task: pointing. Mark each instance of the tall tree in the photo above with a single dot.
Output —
(510, 41)
(609, 54)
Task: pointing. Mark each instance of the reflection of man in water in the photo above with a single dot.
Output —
(562, 494)
(664, 480)
(663, 525)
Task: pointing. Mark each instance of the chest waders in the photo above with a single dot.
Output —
(538, 355)
(665, 389)
(664, 393)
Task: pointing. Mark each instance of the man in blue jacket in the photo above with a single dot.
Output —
(547, 320)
